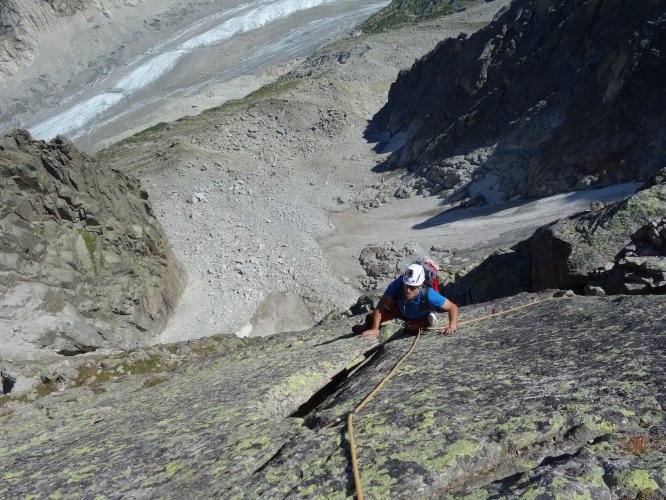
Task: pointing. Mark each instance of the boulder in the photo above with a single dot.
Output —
(504, 273)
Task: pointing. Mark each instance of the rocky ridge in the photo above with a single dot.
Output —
(551, 97)
(83, 262)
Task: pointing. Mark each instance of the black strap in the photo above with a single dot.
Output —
(423, 296)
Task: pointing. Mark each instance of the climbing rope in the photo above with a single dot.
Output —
(350, 426)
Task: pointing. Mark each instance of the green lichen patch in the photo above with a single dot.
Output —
(90, 240)
(205, 350)
(7, 399)
(46, 387)
(80, 474)
(172, 468)
(152, 364)
(94, 374)
(406, 13)
(154, 381)
(91, 374)
(637, 479)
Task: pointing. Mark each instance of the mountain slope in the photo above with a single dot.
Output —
(553, 96)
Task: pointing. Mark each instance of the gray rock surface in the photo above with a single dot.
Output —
(551, 97)
(383, 262)
(83, 261)
(619, 247)
(563, 398)
(516, 395)
(228, 413)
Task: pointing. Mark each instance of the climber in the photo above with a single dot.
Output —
(408, 299)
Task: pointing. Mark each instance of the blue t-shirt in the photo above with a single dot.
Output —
(414, 309)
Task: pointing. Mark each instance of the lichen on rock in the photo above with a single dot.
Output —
(564, 397)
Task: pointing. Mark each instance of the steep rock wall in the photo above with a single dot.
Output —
(552, 96)
(619, 248)
(83, 261)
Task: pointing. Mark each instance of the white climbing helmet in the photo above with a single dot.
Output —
(414, 275)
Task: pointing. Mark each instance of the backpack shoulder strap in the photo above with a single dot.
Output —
(423, 297)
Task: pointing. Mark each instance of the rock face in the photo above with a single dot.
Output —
(620, 248)
(615, 249)
(563, 398)
(504, 273)
(552, 96)
(83, 261)
(21, 24)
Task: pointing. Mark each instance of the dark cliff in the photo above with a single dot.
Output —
(555, 94)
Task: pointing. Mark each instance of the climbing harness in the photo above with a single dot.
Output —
(350, 418)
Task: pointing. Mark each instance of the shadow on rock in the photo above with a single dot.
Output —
(457, 213)
(505, 273)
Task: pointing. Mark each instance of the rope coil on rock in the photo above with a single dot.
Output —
(350, 426)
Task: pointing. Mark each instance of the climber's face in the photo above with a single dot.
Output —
(411, 292)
